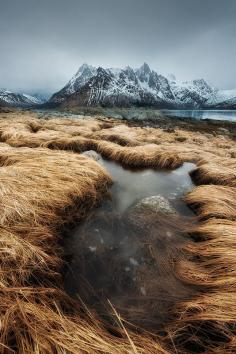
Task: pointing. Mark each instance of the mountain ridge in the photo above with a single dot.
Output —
(127, 87)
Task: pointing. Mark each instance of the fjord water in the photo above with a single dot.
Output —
(133, 268)
(227, 115)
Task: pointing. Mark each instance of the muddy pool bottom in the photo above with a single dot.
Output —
(125, 252)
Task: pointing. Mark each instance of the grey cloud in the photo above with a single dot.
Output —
(43, 42)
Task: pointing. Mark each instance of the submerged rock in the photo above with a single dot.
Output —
(92, 155)
(147, 211)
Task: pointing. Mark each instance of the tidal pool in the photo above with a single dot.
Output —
(127, 258)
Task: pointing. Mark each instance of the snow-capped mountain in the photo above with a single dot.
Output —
(126, 87)
(19, 99)
(83, 75)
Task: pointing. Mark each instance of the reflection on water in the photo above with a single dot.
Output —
(128, 258)
(229, 115)
(131, 186)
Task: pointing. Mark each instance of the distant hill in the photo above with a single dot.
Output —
(228, 104)
(13, 99)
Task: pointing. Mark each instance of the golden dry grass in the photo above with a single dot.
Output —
(45, 184)
(213, 201)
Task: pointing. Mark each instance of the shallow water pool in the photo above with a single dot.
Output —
(133, 185)
(128, 259)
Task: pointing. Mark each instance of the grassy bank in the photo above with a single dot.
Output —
(46, 184)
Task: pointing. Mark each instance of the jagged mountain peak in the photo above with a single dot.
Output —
(202, 84)
(128, 74)
(144, 73)
(145, 68)
(102, 71)
(85, 67)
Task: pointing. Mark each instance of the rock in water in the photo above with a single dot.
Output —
(92, 155)
(154, 204)
(147, 211)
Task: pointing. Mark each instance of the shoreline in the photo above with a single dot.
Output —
(159, 119)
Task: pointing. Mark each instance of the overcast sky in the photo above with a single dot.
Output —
(43, 42)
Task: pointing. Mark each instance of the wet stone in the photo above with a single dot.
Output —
(153, 204)
(92, 155)
(147, 211)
